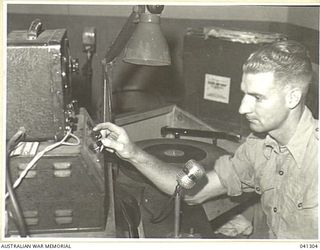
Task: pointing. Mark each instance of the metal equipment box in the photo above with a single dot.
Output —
(66, 190)
(38, 84)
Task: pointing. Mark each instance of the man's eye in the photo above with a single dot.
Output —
(258, 98)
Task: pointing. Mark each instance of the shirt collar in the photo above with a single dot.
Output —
(297, 145)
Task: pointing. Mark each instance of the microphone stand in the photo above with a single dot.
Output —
(177, 205)
(187, 178)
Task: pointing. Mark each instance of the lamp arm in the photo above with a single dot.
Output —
(124, 35)
(113, 51)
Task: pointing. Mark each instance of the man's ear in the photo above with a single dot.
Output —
(293, 97)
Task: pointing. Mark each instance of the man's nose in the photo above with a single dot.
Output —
(246, 105)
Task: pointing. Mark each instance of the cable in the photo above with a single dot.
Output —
(16, 138)
(41, 153)
(22, 228)
(165, 211)
(21, 225)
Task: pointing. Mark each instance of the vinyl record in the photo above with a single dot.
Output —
(175, 152)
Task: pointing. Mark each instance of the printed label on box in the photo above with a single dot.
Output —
(217, 88)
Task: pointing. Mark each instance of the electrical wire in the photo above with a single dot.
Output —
(16, 138)
(36, 158)
(22, 228)
(165, 211)
(12, 143)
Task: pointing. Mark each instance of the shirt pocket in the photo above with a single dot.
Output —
(262, 183)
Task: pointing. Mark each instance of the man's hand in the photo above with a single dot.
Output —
(116, 138)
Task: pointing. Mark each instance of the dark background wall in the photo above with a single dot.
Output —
(159, 85)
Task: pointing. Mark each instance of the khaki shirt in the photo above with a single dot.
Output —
(285, 177)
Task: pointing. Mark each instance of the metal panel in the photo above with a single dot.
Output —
(38, 87)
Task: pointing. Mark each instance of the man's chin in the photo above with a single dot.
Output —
(255, 128)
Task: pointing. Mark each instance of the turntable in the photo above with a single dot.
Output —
(175, 152)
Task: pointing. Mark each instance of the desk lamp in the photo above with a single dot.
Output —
(143, 44)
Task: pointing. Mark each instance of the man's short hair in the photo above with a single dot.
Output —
(288, 60)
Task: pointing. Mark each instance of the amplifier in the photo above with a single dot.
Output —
(65, 191)
(39, 83)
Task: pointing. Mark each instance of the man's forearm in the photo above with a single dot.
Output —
(212, 189)
(162, 174)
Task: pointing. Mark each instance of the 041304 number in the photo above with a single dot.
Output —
(308, 245)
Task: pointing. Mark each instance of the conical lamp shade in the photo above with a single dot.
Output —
(147, 45)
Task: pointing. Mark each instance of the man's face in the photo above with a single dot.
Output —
(263, 103)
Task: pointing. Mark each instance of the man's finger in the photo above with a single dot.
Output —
(101, 126)
(112, 144)
(110, 126)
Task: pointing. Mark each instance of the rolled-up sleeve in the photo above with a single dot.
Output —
(236, 172)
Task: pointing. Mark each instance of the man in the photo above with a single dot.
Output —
(278, 160)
